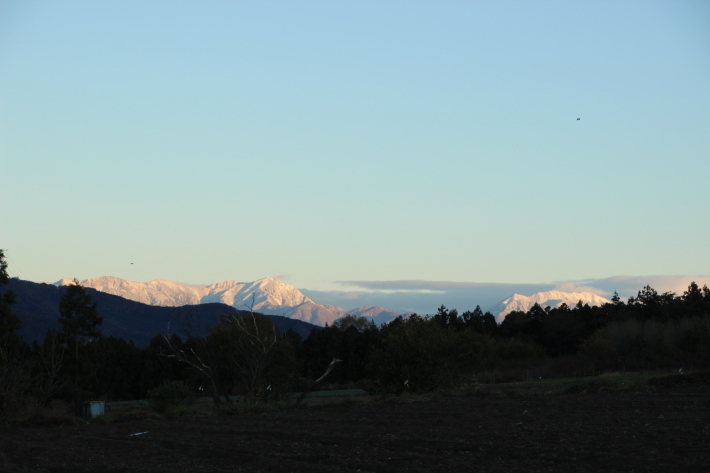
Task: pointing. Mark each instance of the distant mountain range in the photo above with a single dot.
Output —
(270, 296)
(273, 297)
(38, 309)
(553, 299)
(139, 311)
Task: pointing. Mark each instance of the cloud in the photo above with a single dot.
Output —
(424, 297)
(433, 286)
(575, 286)
(425, 302)
(628, 286)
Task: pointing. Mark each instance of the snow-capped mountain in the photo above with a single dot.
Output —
(553, 299)
(270, 292)
(377, 313)
(270, 296)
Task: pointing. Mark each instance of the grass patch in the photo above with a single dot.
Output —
(125, 414)
(633, 382)
(171, 398)
(240, 408)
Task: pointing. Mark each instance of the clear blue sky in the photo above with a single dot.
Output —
(354, 141)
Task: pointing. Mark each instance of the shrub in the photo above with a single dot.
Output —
(517, 350)
(171, 396)
(419, 355)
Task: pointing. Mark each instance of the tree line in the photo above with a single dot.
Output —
(246, 355)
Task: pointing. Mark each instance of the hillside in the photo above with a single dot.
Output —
(37, 306)
(270, 296)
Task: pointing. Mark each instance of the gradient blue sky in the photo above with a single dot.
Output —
(325, 141)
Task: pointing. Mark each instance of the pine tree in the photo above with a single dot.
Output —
(79, 318)
(12, 373)
(616, 299)
(9, 323)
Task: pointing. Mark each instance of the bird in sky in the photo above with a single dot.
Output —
(578, 119)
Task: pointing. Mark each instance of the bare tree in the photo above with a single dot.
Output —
(239, 348)
(200, 363)
(14, 379)
(50, 361)
(245, 343)
(315, 383)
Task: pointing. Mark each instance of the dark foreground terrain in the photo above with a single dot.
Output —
(662, 428)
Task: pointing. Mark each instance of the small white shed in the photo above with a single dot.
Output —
(93, 409)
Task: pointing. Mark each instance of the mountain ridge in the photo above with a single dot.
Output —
(268, 295)
(37, 306)
(518, 302)
(271, 296)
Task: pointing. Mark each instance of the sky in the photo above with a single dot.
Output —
(347, 147)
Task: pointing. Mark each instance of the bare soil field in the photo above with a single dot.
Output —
(663, 427)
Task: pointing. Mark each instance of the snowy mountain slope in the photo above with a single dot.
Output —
(313, 313)
(379, 314)
(270, 292)
(271, 297)
(517, 302)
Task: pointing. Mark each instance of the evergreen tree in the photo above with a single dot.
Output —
(616, 299)
(351, 320)
(9, 323)
(490, 326)
(12, 372)
(474, 320)
(79, 318)
(693, 300)
(537, 313)
(448, 318)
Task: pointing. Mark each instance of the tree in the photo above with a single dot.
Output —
(418, 353)
(244, 343)
(78, 316)
(490, 326)
(517, 324)
(243, 349)
(479, 322)
(537, 313)
(616, 299)
(12, 370)
(448, 318)
(474, 320)
(322, 346)
(352, 320)
(653, 306)
(198, 357)
(80, 319)
(49, 362)
(693, 300)
(9, 323)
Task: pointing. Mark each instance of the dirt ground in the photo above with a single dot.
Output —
(664, 428)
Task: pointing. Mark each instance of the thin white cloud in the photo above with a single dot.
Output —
(433, 286)
(575, 286)
(628, 286)
(424, 297)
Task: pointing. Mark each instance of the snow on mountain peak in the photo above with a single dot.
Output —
(268, 295)
(273, 297)
(518, 302)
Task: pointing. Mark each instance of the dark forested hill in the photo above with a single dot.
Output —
(37, 306)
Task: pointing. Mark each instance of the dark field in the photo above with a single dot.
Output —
(661, 427)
